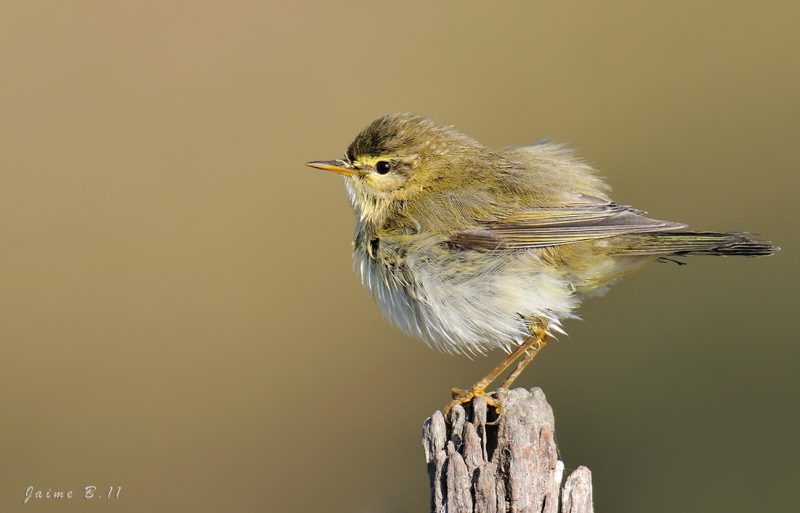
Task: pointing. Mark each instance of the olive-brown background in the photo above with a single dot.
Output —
(178, 313)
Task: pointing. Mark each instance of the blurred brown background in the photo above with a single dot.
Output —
(178, 314)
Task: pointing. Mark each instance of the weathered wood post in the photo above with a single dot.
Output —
(509, 464)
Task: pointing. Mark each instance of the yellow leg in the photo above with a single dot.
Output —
(527, 350)
(539, 342)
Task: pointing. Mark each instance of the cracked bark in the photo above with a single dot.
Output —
(508, 464)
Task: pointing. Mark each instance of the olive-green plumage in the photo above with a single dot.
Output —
(465, 246)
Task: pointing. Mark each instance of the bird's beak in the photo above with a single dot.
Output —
(337, 166)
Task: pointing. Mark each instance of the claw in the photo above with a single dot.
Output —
(465, 396)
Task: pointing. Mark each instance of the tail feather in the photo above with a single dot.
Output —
(696, 243)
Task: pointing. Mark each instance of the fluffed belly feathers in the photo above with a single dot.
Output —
(468, 302)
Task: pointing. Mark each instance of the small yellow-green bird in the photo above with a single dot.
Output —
(471, 248)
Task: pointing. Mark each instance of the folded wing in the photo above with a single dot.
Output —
(554, 226)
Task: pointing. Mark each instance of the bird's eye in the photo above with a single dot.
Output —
(382, 167)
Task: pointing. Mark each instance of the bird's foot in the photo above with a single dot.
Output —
(465, 396)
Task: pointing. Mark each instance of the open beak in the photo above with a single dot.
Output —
(337, 166)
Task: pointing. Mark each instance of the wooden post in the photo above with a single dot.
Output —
(484, 463)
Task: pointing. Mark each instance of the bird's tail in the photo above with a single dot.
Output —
(695, 243)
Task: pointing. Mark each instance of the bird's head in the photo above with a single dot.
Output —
(399, 157)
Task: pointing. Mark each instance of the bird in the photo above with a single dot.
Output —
(472, 249)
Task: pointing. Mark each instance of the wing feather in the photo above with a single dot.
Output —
(555, 226)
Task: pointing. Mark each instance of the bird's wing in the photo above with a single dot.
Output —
(541, 227)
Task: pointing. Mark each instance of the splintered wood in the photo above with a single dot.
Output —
(506, 465)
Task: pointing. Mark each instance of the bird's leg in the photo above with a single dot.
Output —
(528, 351)
(533, 346)
(479, 388)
